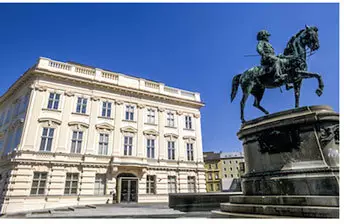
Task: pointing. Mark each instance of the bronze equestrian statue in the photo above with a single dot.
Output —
(275, 71)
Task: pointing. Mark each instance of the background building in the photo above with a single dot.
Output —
(212, 165)
(233, 166)
(72, 134)
(224, 170)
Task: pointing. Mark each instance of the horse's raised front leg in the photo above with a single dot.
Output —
(306, 75)
(297, 87)
(242, 105)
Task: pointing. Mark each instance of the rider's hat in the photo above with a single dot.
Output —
(261, 34)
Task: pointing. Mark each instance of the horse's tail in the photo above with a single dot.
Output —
(235, 85)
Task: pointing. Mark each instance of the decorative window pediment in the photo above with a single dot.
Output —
(105, 125)
(171, 136)
(189, 138)
(150, 132)
(78, 124)
(49, 121)
(129, 129)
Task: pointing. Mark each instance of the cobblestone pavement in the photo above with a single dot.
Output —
(154, 210)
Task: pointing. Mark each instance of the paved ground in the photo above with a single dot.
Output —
(112, 211)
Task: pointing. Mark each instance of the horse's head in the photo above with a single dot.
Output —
(310, 38)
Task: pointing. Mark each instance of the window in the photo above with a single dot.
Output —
(2, 118)
(46, 139)
(237, 175)
(99, 184)
(224, 162)
(225, 175)
(216, 167)
(17, 136)
(150, 148)
(71, 186)
(211, 187)
(188, 124)
(224, 169)
(232, 175)
(81, 105)
(230, 161)
(150, 184)
(8, 115)
(53, 102)
(128, 145)
(189, 150)
(129, 113)
(17, 107)
(210, 176)
(171, 150)
(150, 116)
(170, 119)
(38, 183)
(216, 176)
(103, 144)
(8, 145)
(191, 184)
(106, 109)
(172, 184)
(76, 142)
(236, 161)
(217, 187)
(231, 168)
(1, 145)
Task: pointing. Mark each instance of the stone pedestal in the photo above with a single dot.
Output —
(292, 165)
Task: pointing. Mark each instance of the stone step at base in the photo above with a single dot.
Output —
(220, 214)
(309, 200)
(282, 210)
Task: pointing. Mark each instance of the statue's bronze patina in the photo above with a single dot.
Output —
(288, 69)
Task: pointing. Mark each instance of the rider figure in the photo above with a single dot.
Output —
(269, 61)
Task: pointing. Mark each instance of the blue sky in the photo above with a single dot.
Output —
(197, 47)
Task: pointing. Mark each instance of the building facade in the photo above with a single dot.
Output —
(75, 135)
(212, 165)
(233, 167)
(223, 170)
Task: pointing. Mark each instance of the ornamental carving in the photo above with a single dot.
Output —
(105, 125)
(69, 93)
(327, 134)
(150, 132)
(197, 115)
(119, 102)
(95, 98)
(160, 109)
(179, 112)
(39, 88)
(50, 121)
(277, 141)
(141, 106)
(128, 129)
(78, 124)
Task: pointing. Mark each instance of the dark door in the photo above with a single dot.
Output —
(128, 190)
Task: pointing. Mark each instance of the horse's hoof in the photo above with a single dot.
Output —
(318, 92)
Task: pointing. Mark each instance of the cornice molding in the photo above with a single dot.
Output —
(123, 89)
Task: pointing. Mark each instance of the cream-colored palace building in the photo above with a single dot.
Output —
(73, 135)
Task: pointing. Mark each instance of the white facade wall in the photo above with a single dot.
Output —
(73, 81)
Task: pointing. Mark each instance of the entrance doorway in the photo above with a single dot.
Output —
(127, 187)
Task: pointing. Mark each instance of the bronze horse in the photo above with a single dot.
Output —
(292, 62)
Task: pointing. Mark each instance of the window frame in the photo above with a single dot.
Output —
(128, 146)
(191, 182)
(150, 147)
(151, 116)
(47, 137)
(103, 146)
(78, 142)
(129, 112)
(53, 101)
(188, 122)
(106, 109)
(170, 119)
(190, 151)
(71, 180)
(172, 184)
(151, 184)
(39, 186)
(171, 151)
(81, 105)
(100, 184)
